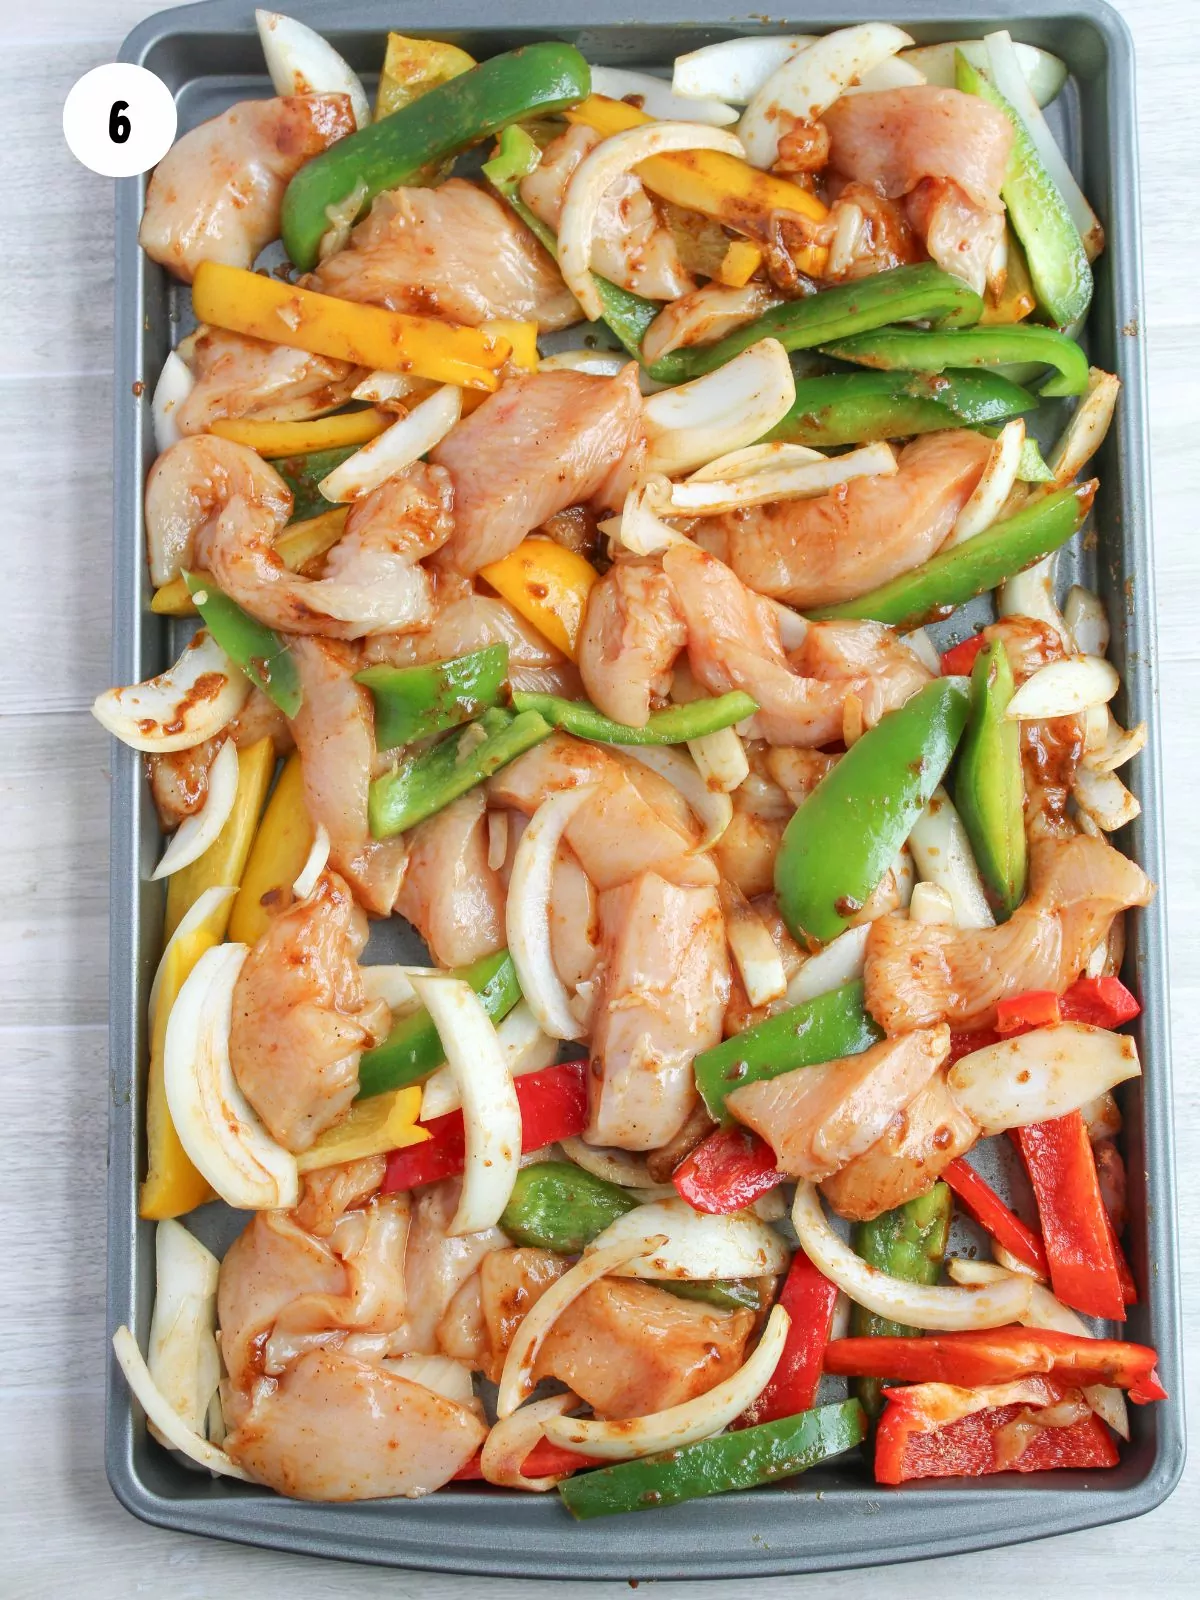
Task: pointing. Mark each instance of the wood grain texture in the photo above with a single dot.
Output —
(61, 1532)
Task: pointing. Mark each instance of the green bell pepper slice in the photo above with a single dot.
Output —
(740, 1460)
(303, 473)
(952, 577)
(824, 1028)
(258, 650)
(1037, 213)
(908, 1243)
(424, 784)
(416, 702)
(463, 111)
(857, 407)
(847, 833)
(913, 350)
(989, 785)
(675, 725)
(412, 1050)
(556, 1205)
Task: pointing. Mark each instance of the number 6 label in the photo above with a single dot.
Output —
(119, 120)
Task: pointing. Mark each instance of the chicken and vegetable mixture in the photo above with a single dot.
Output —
(562, 519)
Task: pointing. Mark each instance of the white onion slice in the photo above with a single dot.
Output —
(802, 481)
(396, 448)
(1116, 746)
(756, 458)
(658, 99)
(141, 715)
(300, 61)
(491, 1111)
(182, 1354)
(1045, 73)
(516, 1380)
(923, 647)
(1064, 689)
(387, 388)
(735, 69)
(1087, 429)
(809, 83)
(220, 1132)
(891, 74)
(527, 912)
(1031, 594)
(931, 906)
(725, 410)
(759, 964)
(922, 1305)
(1012, 83)
(840, 962)
(713, 807)
(721, 760)
(314, 865)
(168, 1424)
(441, 1374)
(638, 527)
(1041, 1075)
(175, 383)
(508, 1444)
(195, 833)
(943, 856)
(683, 1424)
(1087, 617)
(611, 159)
(622, 1167)
(695, 1244)
(1104, 799)
(524, 1046)
(993, 489)
(206, 906)
(599, 363)
(497, 839)
(393, 985)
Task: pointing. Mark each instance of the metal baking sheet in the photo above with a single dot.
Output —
(834, 1516)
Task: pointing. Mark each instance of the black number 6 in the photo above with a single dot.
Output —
(118, 124)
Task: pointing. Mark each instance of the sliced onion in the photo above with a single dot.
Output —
(167, 1422)
(638, 527)
(810, 82)
(1087, 617)
(524, 1046)
(507, 1446)
(393, 985)
(1064, 689)
(756, 458)
(300, 61)
(1044, 73)
(793, 628)
(943, 856)
(179, 708)
(209, 905)
(622, 1167)
(497, 839)
(195, 833)
(440, 1374)
(682, 1424)
(713, 807)
(491, 1111)
(696, 1245)
(1031, 594)
(175, 383)
(390, 388)
(1104, 799)
(224, 1139)
(891, 74)
(1040, 1075)
(755, 954)
(658, 99)
(847, 235)
(182, 1356)
(1087, 429)
(394, 450)
(840, 962)
(314, 865)
(1012, 83)
(721, 760)
(931, 906)
(993, 489)
(527, 912)
(1116, 744)
(599, 363)
(735, 69)
(803, 481)
(516, 1380)
(1102, 1115)
(725, 410)
(923, 647)
(922, 1305)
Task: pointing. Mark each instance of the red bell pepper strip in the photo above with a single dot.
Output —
(909, 1444)
(1102, 1002)
(553, 1106)
(1075, 1227)
(545, 1460)
(960, 658)
(990, 1212)
(976, 1358)
(1124, 1271)
(808, 1297)
(1038, 1008)
(727, 1172)
(965, 1044)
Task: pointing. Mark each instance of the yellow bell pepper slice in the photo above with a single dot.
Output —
(296, 546)
(549, 585)
(280, 849)
(523, 338)
(723, 187)
(276, 439)
(368, 336)
(225, 859)
(742, 261)
(412, 67)
(370, 1128)
(172, 1186)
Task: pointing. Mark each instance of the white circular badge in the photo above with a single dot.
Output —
(119, 120)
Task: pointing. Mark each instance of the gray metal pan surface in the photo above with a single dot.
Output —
(834, 1516)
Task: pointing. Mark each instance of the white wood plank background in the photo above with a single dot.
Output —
(61, 1531)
